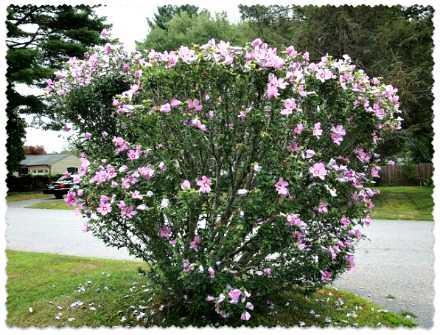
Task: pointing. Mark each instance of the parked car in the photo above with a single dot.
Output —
(60, 187)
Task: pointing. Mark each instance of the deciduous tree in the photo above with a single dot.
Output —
(185, 28)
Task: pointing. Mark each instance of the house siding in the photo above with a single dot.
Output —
(62, 165)
(39, 169)
(50, 164)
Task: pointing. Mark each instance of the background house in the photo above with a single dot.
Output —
(50, 164)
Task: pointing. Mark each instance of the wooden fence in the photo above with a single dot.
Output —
(402, 175)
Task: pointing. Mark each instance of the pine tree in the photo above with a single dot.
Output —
(39, 39)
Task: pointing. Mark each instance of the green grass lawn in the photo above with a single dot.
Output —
(46, 290)
(403, 203)
(26, 196)
(52, 204)
(50, 284)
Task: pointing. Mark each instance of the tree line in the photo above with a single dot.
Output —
(394, 42)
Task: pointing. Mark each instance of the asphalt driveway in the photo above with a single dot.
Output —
(393, 269)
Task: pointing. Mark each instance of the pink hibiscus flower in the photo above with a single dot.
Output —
(166, 108)
(318, 170)
(245, 316)
(289, 106)
(280, 186)
(326, 276)
(194, 244)
(104, 208)
(186, 185)
(317, 131)
(234, 295)
(205, 185)
(175, 102)
(165, 232)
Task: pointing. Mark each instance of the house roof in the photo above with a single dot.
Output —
(43, 159)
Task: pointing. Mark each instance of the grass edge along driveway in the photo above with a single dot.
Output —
(404, 203)
(393, 203)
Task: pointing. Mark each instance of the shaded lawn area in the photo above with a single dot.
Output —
(52, 290)
(403, 203)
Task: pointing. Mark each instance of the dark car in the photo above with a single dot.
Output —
(60, 187)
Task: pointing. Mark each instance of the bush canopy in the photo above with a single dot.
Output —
(234, 172)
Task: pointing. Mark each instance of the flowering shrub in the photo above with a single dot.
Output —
(234, 172)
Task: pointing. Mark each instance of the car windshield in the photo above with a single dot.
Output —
(64, 179)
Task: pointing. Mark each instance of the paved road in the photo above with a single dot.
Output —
(54, 231)
(397, 261)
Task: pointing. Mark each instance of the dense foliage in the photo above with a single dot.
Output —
(233, 171)
(395, 42)
(28, 182)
